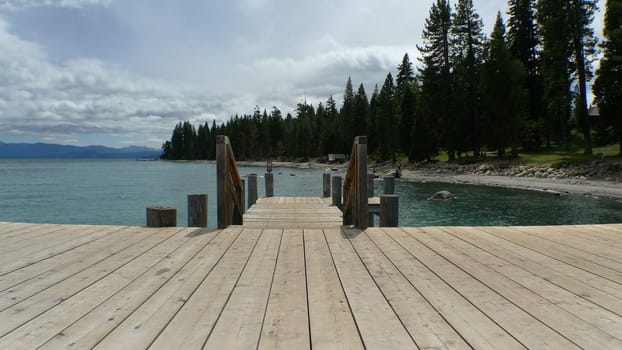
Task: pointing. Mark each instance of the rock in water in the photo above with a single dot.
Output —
(442, 195)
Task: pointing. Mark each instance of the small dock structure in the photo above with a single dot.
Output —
(293, 276)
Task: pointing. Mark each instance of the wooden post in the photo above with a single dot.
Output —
(158, 216)
(326, 185)
(389, 184)
(269, 177)
(197, 210)
(238, 213)
(370, 185)
(243, 197)
(361, 202)
(389, 210)
(336, 191)
(252, 189)
(224, 208)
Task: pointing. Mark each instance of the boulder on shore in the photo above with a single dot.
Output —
(442, 195)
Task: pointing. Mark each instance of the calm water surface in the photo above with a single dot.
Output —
(116, 192)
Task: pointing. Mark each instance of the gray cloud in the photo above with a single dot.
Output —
(20, 4)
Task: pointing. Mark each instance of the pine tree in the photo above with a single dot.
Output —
(361, 112)
(523, 41)
(608, 85)
(581, 16)
(387, 123)
(503, 94)
(556, 64)
(372, 142)
(347, 116)
(406, 101)
(467, 45)
(436, 78)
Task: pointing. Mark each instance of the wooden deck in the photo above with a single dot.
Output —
(245, 287)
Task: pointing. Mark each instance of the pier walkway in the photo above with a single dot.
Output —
(319, 285)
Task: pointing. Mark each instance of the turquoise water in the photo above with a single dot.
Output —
(116, 192)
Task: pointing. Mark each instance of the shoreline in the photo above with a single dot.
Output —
(595, 188)
(588, 188)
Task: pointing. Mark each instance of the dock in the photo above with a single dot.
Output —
(291, 273)
(107, 287)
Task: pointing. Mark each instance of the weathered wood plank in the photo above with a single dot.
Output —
(286, 323)
(554, 316)
(332, 325)
(239, 326)
(423, 322)
(470, 307)
(377, 322)
(192, 325)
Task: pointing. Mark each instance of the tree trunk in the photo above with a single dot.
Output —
(583, 117)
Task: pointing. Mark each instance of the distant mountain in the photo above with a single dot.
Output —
(47, 150)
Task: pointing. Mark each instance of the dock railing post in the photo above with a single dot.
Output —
(326, 185)
(252, 189)
(197, 210)
(336, 191)
(389, 210)
(361, 220)
(228, 185)
(389, 184)
(269, 177)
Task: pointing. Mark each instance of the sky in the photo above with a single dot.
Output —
(124, 72)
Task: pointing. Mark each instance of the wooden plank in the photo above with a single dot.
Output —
(379, 326)
(84, 327)
(471, 308)
(38, 304)
(567, 255)
(332, 325)
(42, 328)
(572, 279)
(239, 326)
(423, 322)
(73, 237)
(109, 326)
(572, 327)
(286, 323)
(192, 325)
(598, 317)
(25, 282)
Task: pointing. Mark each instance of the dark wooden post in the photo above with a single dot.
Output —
(389, 210)
(243, 196)
(326, 185)
(269, 177)
(370, 185)
(222, 160)
(228, 185)
(197, 210)
(158, 216)
(361, 201)
(389, 184)
(252, 189)
(336, 191)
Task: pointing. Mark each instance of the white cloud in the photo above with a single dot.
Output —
(21, 4)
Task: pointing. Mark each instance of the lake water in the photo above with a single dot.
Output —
(116, 192)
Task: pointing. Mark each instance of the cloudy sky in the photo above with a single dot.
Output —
(124, 72)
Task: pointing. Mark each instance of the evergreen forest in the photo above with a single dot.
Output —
(522, 88)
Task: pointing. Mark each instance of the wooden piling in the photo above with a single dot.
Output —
(389, 184)
(326, 185)
(269, 177)
(389, 210)
(370, 185)
(158, 216)
(336, 191)
(243, 197)
(252, 189)
(361, 220)
(197, 210)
